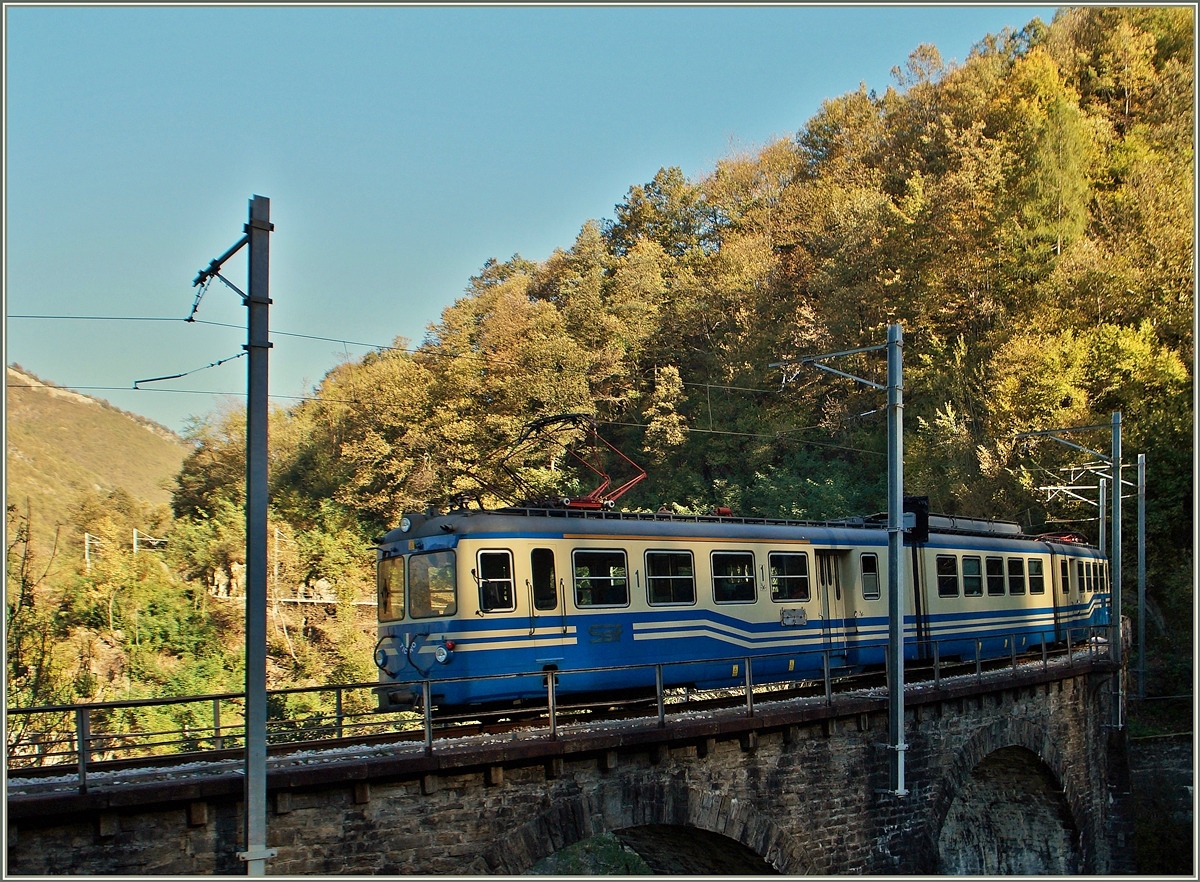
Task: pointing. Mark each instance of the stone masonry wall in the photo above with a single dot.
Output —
(809, 798)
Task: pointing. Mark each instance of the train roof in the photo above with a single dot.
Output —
(557, 521)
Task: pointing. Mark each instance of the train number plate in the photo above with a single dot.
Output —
(791, 618)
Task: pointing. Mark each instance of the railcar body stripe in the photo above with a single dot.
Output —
(725, 540)
(515, 643)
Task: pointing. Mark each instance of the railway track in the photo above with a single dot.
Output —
(460, 731)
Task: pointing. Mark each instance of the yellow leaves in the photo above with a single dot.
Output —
(1037, 382)
(666, 429)
(748, 258)
(913, 201)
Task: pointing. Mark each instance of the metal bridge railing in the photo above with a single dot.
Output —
(59, 737)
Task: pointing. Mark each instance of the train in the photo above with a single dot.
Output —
(483, 605)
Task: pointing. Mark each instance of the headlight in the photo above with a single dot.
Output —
(381, 658)
(405, 525)
(442, 652)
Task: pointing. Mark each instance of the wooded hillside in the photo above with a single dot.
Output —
(60, 444)
(1027, 216)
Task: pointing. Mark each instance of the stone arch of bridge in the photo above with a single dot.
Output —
(1018, 768)
(644, 802)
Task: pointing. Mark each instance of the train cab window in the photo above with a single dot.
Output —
(1037, 578)
(670, 577)
(947, 575)
(601, 578)
(869, 569)
(995, 576)
(545, 592)
(1016, 575)
(431, 585)
(972, 577)
(1064, 576)
(733, 576)
(389, 582)
(495, 578)
(789, 575)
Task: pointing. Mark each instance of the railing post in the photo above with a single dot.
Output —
(658, 689)
(551, 705)
(426, 703)
(828, 679)
(1012, 652)
(217, 743)
(937, 664)
(1070, 648)
(978, 665)
(749, 689)
(83, 746)
(338, 710)
(1045, 660)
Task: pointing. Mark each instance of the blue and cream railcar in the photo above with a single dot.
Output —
(527, 591)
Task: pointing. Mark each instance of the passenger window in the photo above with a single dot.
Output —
(947, 575)
(995, 576)
(972, 577)
(545, 592)
(670, 577)
(431, 585)
(1081, 573)
(869, 567)
(389, 581)
(1064, 575)
(601, 578)
(1016, 575)
(733, 576)
(1037, 580)
(495, 579)
(789, 575)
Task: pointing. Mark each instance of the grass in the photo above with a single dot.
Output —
(60, 444)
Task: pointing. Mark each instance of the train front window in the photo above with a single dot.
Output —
(789, 575)
(495, 578)
(431, 585)
(1037, 580)
(733, 576)
(995, 576)
(389, 584)
(670, 577)
(947, 575)
(601, 578)
(972, 577)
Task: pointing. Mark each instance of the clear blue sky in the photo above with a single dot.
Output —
(401, 147)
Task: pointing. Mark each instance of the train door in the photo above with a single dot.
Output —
(1060, 587)
(547, 607)
(833, 605)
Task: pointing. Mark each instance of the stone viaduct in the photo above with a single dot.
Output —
(1021, 777)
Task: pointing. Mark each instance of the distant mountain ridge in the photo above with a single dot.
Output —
(59, 443)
